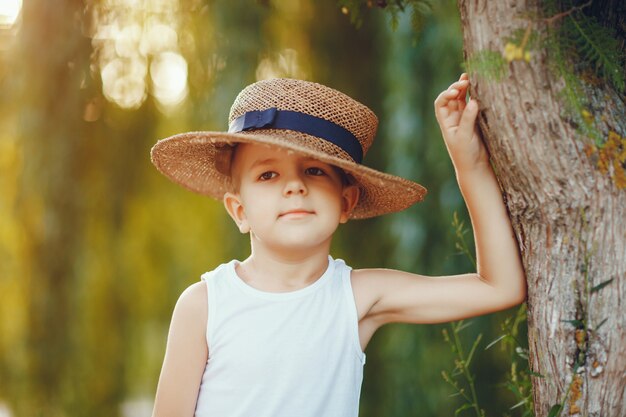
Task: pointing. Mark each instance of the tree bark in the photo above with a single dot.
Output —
(569, 215)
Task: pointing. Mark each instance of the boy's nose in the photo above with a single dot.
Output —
(295, 185)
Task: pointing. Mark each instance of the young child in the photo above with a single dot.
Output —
(282, 333)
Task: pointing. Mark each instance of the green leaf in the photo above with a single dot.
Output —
(601, 285)
(425, 7)
(600, 324)
(462, 408)
(496, 341)
(575, 323)
(513, 388)
(519, 404)
(463, 326)
(394, 20)
(400, 5)
(471, 353)
(555, 410)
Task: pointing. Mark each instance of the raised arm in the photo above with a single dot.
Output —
(185, 356)
(497, 253)
(499, 281)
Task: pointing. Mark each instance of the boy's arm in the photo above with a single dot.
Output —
(499, 282)
(185, 356)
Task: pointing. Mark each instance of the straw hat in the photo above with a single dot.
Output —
(302, 116)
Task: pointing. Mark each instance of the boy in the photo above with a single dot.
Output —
(283, 332)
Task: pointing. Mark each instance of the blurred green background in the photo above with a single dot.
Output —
(96, 246)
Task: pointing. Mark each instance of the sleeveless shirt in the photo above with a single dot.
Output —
(281, 354)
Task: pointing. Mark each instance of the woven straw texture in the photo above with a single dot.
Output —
(199, 161)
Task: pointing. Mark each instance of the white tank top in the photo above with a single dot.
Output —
(281, 354)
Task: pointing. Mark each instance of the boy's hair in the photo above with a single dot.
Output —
(224, 163)
(346, 179)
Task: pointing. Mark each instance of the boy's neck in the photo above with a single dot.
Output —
(272, 271)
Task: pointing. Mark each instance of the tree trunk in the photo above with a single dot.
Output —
(567, 200)
(49, 56)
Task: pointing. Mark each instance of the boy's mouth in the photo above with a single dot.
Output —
(295, 213)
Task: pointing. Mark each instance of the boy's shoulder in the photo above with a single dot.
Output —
(193, 300)
(365, 286)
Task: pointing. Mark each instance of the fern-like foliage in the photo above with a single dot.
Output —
(580, 48)
(574, 99)
(582, 40)
(594, 47)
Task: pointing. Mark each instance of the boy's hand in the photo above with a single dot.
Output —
(457, 120)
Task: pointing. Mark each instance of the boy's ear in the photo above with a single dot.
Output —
(235, 209)
(350, 197)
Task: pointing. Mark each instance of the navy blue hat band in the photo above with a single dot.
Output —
(273, 118)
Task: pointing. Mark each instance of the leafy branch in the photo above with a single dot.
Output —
(419, 10)
(519, 375)
(552, 19)
(462, 368)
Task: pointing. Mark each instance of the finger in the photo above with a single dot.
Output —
(446, 103)
(468, 118)
(451, 99)
(462, 86)
(463, 92)
(453, 92)
(444, 97)
(462, 103)
(441, 108)
(460, 83)
(463, 83)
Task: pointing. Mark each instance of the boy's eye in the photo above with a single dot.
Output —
(267, 175)
(315, 171)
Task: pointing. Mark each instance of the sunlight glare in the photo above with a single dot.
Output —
(4, 411)
(9, 11)
(168, 72)
(158, 37)
(137, 407)
(127, 41)
(123, 82)
(283, 64)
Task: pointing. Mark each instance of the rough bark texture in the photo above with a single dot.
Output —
(569, 216)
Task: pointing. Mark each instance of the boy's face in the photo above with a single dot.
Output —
(287, 201)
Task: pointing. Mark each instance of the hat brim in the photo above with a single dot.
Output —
(189, 159)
